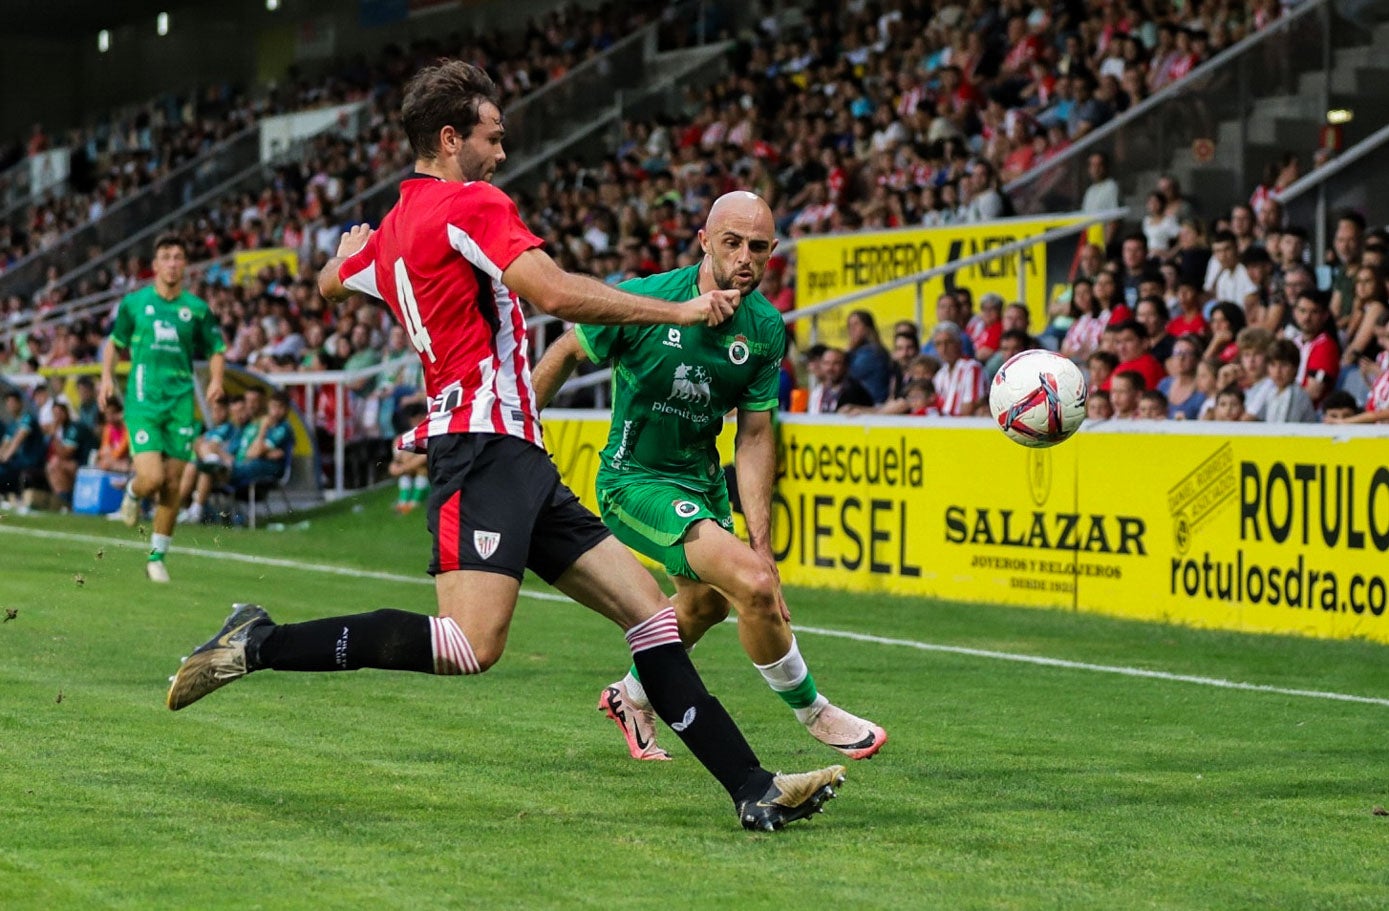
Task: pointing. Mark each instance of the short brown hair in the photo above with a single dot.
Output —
(1284, 351)
(446, 94)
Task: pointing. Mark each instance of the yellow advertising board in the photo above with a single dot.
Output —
(838, 264)
(1219, 527)
(246, 264)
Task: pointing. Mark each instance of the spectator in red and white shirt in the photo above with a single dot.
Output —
(1320, 366)
(960, 381)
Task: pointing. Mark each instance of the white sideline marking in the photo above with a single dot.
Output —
(814, 630)
(1083, 666)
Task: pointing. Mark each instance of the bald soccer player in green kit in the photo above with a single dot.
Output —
(661, 486)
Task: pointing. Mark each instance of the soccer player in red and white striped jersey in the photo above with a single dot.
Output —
(452, 259)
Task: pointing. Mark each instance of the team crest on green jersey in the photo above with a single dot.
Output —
(738, 350)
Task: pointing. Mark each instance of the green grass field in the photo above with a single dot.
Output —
(1004, 785)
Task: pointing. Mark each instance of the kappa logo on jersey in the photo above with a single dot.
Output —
(691, 385)
(673, 339)
(149, 309)
(486, 542)
(738, 351)
(684, 508)
(165, 332)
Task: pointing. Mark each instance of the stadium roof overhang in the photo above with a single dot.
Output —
(67, 18)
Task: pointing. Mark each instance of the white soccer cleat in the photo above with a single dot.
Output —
(130, 509)
(156, 570)
(855, 737)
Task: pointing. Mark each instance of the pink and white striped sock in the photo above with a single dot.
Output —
(452, 653)
(657, 630)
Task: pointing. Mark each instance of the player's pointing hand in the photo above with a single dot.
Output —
(711, 308)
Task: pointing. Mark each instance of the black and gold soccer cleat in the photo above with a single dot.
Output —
(218, 661)
(791, 797)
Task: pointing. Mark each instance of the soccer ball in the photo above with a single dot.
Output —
(1038, 398)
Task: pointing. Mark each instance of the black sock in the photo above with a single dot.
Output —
(677, 694)
(394, 640)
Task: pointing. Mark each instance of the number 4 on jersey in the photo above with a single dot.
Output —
(414, 325)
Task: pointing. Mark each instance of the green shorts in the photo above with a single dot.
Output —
(652, 517)
(167, 427)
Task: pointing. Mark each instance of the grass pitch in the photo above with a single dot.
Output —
(1004, 784)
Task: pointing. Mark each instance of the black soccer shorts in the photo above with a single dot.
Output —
(497, 504)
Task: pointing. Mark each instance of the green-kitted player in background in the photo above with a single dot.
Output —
(165, 328)
(661, 486)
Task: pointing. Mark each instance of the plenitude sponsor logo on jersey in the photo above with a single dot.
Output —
(690, 392)
(166, 335)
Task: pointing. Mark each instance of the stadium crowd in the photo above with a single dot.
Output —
(893, 115)
(112, 160)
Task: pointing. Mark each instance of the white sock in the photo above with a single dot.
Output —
(159, 544)
(788, 672)
(636, 693)
(404, 484)
(421, 482)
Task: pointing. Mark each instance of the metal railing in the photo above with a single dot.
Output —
(1271, 74)
(1357, 179)
(101, 301)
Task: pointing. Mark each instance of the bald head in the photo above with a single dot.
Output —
(738, 238)
(739, 205)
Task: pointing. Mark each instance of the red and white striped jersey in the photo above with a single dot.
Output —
(1378, 399)
(959, 386)
(437, 261)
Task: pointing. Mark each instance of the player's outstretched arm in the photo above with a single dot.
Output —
(581, 299)
(556, 366)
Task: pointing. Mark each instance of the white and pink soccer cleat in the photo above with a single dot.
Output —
(638, 725)
(855, 737)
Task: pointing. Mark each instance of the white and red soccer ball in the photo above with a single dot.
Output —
(1038, 398)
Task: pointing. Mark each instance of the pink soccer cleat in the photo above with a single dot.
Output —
(638, 725)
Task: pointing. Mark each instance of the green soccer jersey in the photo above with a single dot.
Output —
(164, 338)
(672, 385)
